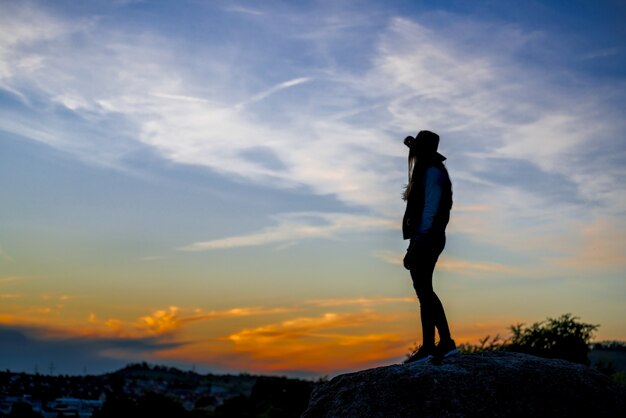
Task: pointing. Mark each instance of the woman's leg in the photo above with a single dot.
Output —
(441, 322)
(431, 309)
(422, 283)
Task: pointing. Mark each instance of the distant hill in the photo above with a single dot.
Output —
(155, 391)
(239, 384)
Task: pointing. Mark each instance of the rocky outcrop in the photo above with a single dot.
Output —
(492, 384)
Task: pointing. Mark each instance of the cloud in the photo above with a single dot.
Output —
(472, 268)
(201, 315)
(294, 227)
(272, 90)
(320, 343)
(161, 321)
(12, 279)
(14, 34)
(149, 98)
(170, 321)
(391, 257)
(28, 348)
(417, 76)
(455, 265)
(315, 342)
(360, 301)
(487, 103)
(244, 10)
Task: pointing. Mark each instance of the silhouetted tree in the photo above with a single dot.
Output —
(562, 338)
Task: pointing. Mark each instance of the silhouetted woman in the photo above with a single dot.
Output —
(428, 197)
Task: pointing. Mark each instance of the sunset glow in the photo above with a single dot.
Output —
(218, 184)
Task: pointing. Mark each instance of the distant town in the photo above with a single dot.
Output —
(150, 391)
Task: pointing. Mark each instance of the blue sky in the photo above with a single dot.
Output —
(177, 171)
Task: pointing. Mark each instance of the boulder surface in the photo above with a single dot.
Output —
(491, 384)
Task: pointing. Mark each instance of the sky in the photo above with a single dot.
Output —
(217, 185)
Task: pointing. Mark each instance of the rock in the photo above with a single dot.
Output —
(492, 384)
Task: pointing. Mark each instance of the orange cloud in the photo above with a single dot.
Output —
(330, 341)
(160, 322)
(470, 268)
(355, 336)
(200, 315)
(173, 319)
(361, 301)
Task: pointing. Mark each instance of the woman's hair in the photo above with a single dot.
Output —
(417, 163)
(411, 165)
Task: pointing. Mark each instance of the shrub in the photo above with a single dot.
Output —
(561, 338)
(485, 345)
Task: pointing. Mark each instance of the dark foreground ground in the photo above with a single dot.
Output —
(157, 391)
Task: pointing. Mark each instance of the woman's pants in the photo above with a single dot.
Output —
(423, 262)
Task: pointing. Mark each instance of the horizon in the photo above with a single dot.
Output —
(192, 368)
(219, 184)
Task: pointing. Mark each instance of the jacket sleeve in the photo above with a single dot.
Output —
(433, 182)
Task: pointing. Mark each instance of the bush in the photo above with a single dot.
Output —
(561, 338)
(485, 345)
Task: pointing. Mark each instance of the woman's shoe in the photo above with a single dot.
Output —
(422, 355)
(445, 348)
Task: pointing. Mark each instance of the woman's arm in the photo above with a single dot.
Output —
(433, 181)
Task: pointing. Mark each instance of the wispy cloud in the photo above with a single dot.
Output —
(12, 279)
(145, 100)
(294, 227)
(468, 267)
(244, 10)
(360, 301)
(518, 141)
(272, 90)
(455, 265)
(418, 77)
(201, 315)
(390, 257)
(487, 104)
